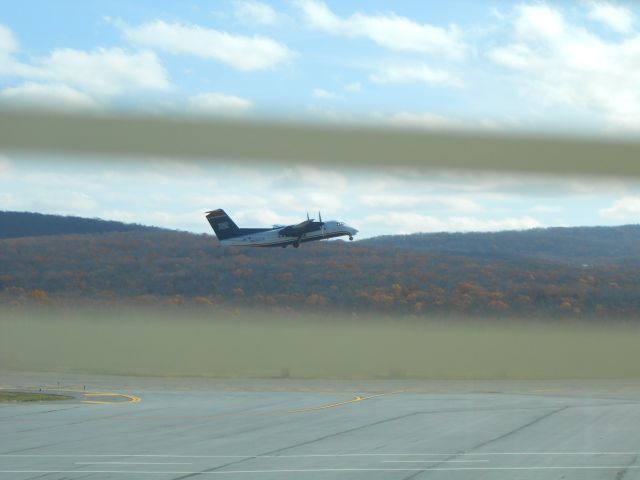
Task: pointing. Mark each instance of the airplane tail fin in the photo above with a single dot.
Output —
(222, 224)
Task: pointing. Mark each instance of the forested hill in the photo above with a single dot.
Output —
(167, 268)
(28, 224)
(571, 245)
(577, 272)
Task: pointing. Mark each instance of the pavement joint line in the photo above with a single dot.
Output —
(309, 455)
(323, 470)
(434, 461)
(133, 463)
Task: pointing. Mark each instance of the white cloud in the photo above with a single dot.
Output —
(175, 193)
(234, 202)
(252, 12)
(547, 209)
(332, 115)
(120, 216)
(39, 95)
(586, 186)
(312, 177)
(172, 168)
(429, 121)
(6, 165)
(403, 223)
(494, 12)
(7, 202)
(104, 71)
(261, 217)
(518, 56)
(8, 42)
(625, 208)
(564, 64)
(322, 201)
(177, 220)
(539, 22)
(353, 87)
(217, 103)
(238, 51)
(320, 93)
(63, 202)
(389, 30)
(415, 73)
(76, 75)
(616, 17)
(435, 202)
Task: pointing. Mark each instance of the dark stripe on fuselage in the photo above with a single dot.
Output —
(249, 231)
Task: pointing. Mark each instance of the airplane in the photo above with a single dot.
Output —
(309, 230)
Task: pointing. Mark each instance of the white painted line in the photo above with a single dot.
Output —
(321, 470)
(434, 461)
(134, 463)
(309, 455)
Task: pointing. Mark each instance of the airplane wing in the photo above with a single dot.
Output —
(300, 228)
(302, 225)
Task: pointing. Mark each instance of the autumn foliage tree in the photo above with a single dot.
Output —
(159, 267)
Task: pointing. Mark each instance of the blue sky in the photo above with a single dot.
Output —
(568, 67)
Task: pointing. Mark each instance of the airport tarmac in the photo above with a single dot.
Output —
(284, 428)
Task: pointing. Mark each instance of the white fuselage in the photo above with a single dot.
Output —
(273, 238)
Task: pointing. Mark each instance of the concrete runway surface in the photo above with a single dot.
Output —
(161, 428)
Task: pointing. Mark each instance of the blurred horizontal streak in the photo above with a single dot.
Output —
(127, 135)
(244, 343)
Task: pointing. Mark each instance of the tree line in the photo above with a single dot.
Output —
(160, 267)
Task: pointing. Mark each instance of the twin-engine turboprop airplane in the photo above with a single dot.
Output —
(279, 236)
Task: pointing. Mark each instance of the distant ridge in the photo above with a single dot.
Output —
(546, 273)
(566, 245)
(30, 224)
(569, 245)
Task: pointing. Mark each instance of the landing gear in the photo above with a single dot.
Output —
(296, 244)
(284, 246)
(351, 239)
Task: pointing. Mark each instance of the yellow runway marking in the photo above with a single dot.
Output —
(88, 395)
(339, 404)
(130, 398)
